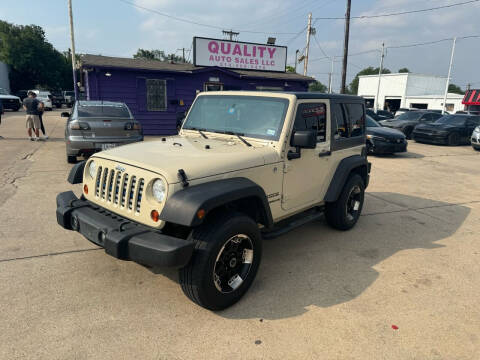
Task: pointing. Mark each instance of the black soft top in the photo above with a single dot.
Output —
(317, 95)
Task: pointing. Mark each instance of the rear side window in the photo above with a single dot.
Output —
(356, 119)
(341, 123)
(103, 111)
(312, 116)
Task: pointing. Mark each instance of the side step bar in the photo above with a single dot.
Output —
(292, 223)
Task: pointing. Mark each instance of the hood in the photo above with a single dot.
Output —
(198, 157)
(385, 132)
(398, 123)
(9, 97)
(435, 126)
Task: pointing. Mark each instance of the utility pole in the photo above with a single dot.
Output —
(230, 33)
(330, 76)
(345, 46)
(309, 31)
(296, 59)
(379, 77)
(72, 39)
(448, 77)
(183, 52)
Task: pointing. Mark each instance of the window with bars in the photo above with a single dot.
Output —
(156, 95)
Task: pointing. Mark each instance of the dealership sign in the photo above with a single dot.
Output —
(238, 55)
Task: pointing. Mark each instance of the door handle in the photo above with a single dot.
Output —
(325, 153)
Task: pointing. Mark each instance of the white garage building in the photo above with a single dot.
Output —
(408, 90)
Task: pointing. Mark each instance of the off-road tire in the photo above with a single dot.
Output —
(336, 212)
(197, 278)
(71, 159)
(453, 139)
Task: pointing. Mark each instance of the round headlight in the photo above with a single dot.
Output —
(92, 169)
(158, 190)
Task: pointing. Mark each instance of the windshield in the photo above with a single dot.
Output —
(103, 111)
(451, 120)
(4, 91)
(410, 115)
(252, 116)
(371, 122)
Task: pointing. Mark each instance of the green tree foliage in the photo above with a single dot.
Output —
(353, 88)
(403, 70)
(318, 87)
(32, 60)
(158, 55)
(452, 88)
(290, 69)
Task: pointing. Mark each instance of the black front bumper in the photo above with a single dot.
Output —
(429, 138)
(120, 237)
(383, 147)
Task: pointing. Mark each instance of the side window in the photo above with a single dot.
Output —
(340, 122)
(436, 116)
(426, 117)
(312, 116)
(356, 119)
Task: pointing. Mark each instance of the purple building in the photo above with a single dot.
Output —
(158, 93)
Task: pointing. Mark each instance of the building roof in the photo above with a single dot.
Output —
(154, 65)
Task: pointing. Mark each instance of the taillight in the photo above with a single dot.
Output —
(133, 126)
(75, 125)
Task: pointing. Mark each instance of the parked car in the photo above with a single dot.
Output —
(9, 102)
(69, 98)
(475, 139)
(99, 125)
(45, 97)
(402, 111)
(379, 115)
(449, 130)
(382, 140)
(242, 166)
(407, 121)
(57, 99)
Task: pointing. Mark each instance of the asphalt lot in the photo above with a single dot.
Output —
(412, 262)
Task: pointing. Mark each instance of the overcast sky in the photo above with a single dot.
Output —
(115, 28)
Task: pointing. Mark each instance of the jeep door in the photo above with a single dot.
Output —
(303, 180)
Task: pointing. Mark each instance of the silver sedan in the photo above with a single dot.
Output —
(475, 138)
(94, 126)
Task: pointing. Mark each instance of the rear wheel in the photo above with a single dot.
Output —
(71, 159)
(227, 255)
(453, 139)
(343, 214)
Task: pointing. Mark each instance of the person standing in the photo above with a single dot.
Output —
(32, 107)
(40, 115)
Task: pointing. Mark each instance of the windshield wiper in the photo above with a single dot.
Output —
(199, 130)
(239, 135)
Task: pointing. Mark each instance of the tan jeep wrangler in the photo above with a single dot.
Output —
(245, 166)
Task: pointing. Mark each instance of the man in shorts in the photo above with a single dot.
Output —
(32, 107)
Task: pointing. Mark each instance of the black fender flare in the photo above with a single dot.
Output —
(182, 207)
(76, 173)
(340, 177)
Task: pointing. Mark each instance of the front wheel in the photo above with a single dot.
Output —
(343, 214)
(225, 262)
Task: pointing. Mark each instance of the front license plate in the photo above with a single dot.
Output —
(108, 146)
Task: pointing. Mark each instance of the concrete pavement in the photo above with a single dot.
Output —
(412, 262)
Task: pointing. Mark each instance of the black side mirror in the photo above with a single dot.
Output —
(304, 139)
(65, 114)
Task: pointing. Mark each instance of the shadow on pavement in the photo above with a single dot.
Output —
(318, 266)
(404, 155)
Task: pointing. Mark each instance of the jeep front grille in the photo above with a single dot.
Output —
(119, 188)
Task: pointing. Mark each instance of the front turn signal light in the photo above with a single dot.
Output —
(155, 215)
(85, 189)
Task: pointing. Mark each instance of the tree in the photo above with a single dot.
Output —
(353, 88)
(452, 88)
(158, 55)
(32, 60)
(290, 69)
(317, 86)
(403, 70)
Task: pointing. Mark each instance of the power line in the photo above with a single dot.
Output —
(400, 12)
(318, 44)
(201, 24)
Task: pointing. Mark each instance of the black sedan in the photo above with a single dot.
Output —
(449, 130)
(379, 115)
(382, 140)
(407, 121)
